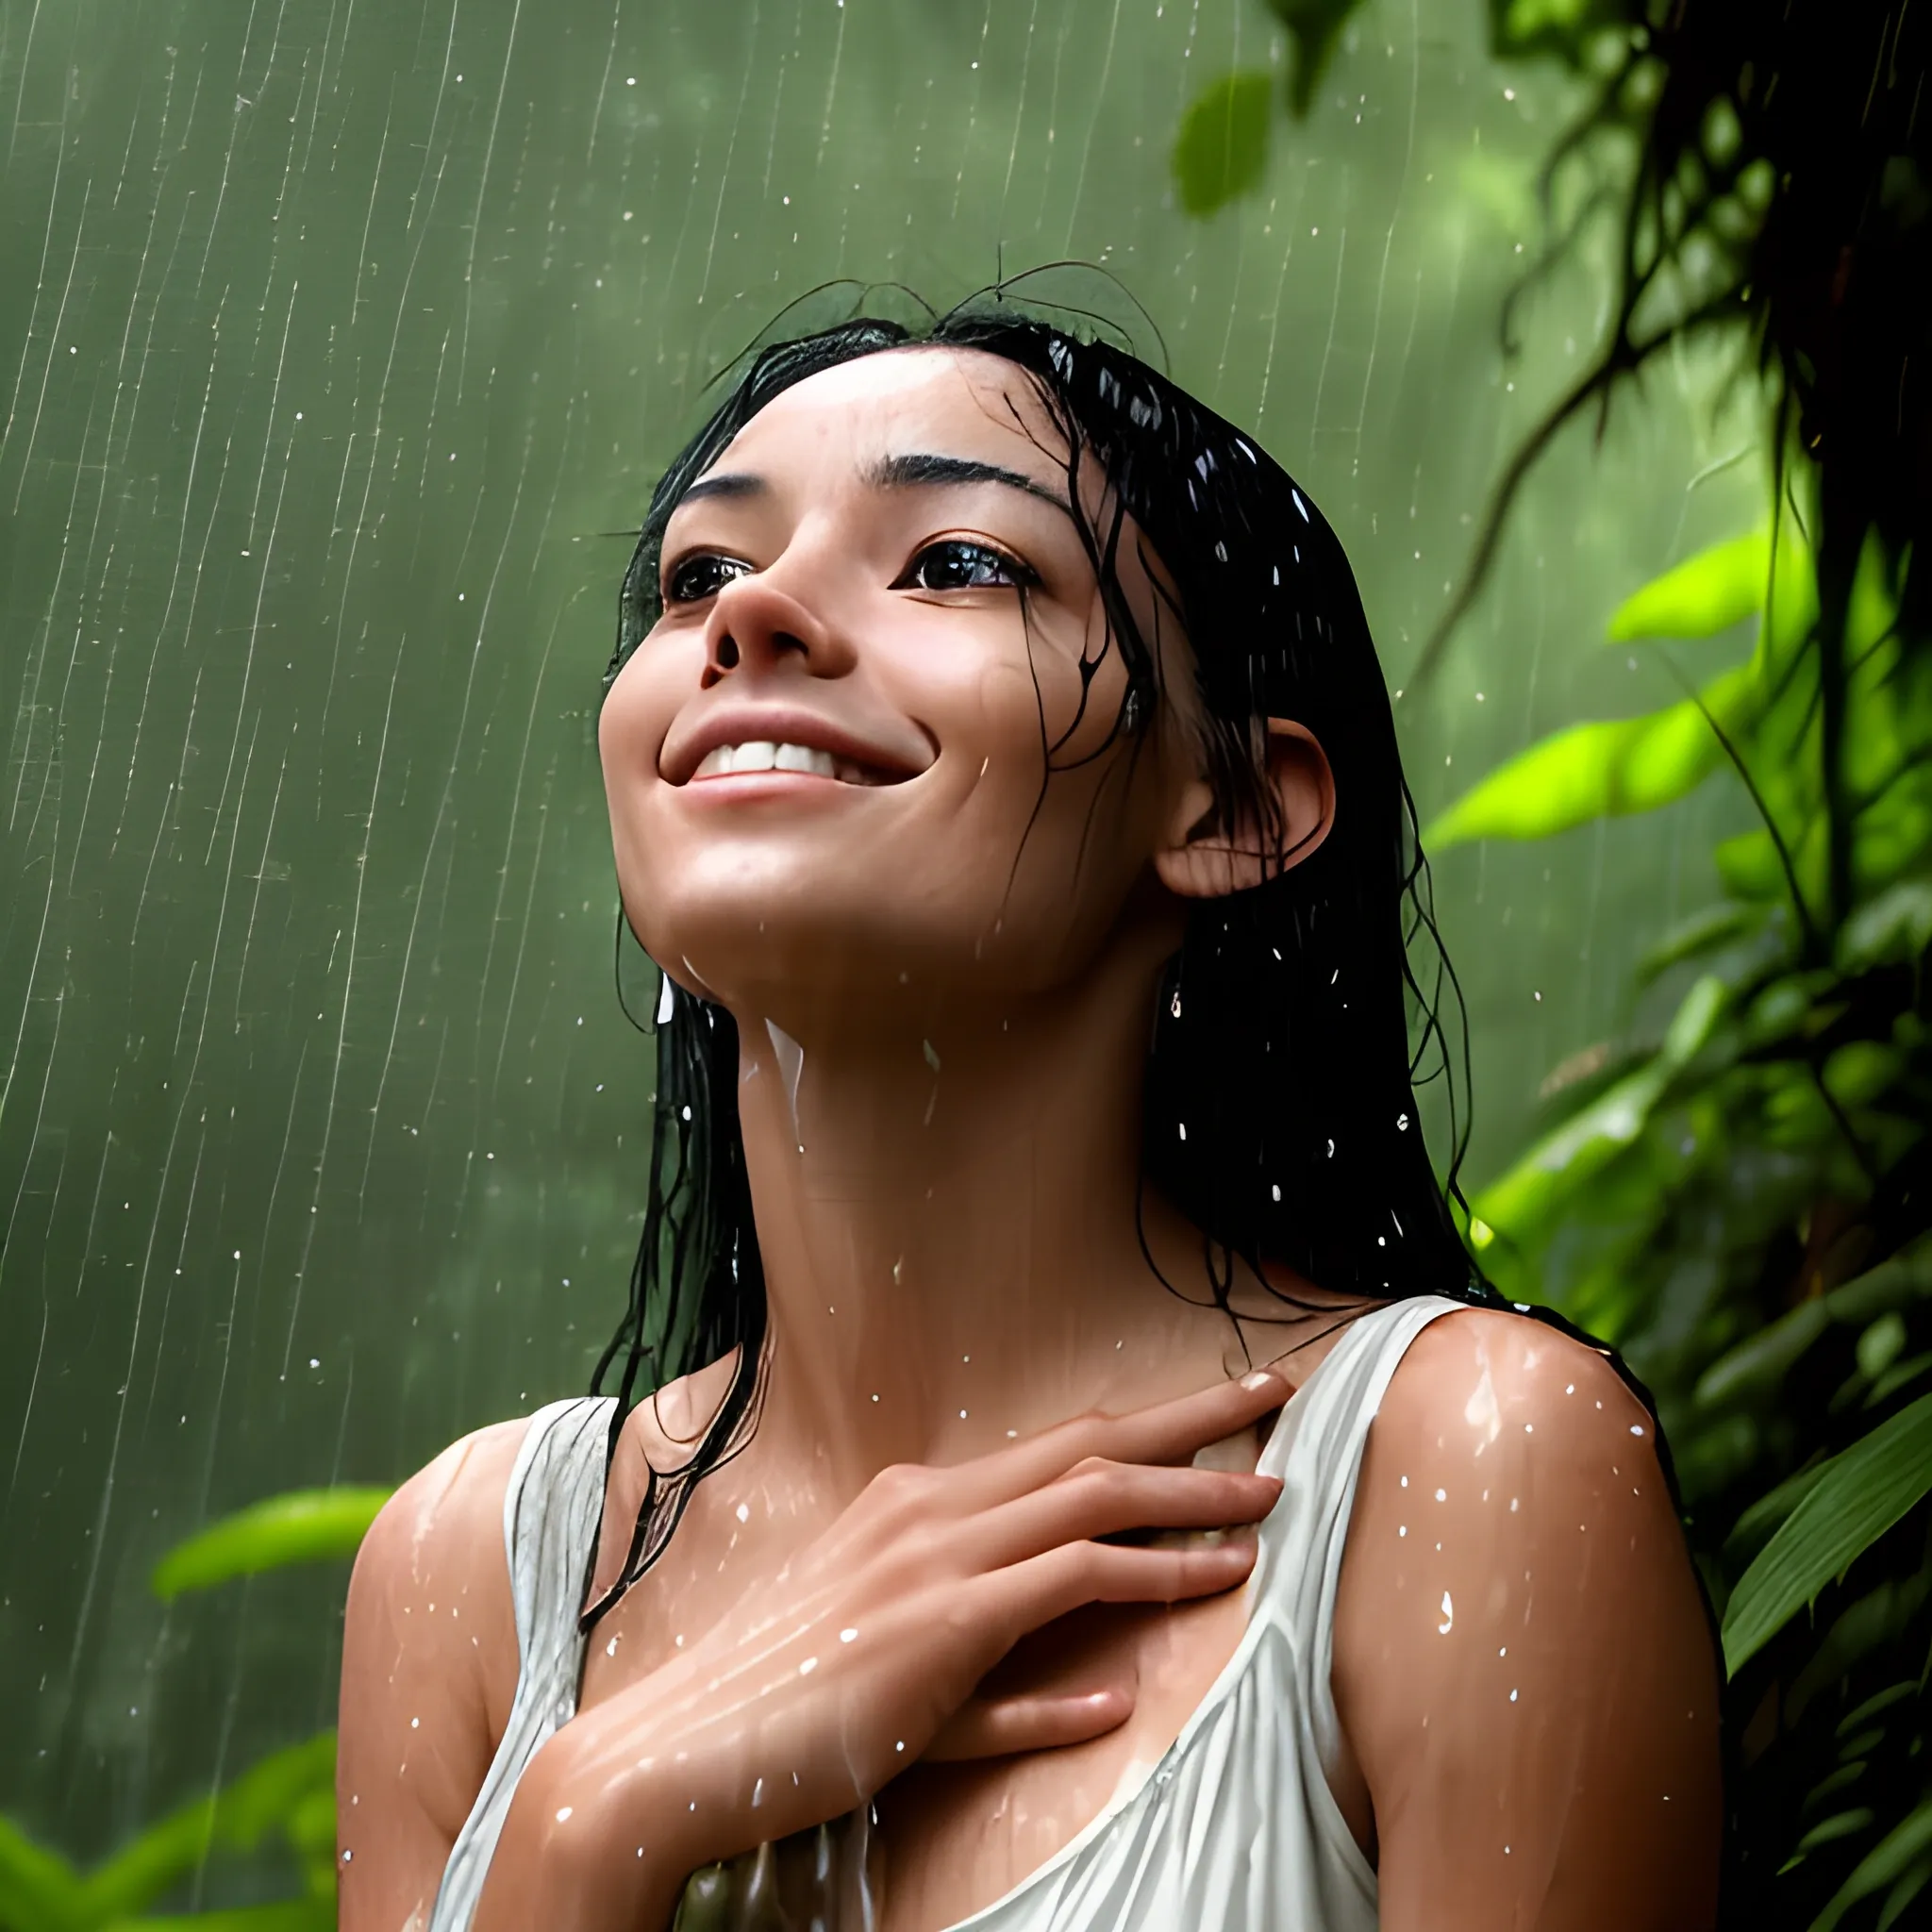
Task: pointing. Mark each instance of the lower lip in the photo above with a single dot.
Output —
(773, 784)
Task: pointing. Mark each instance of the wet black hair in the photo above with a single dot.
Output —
(1294, 1026)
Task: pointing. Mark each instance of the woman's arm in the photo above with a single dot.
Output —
(430, 1665)
(1523, 1666)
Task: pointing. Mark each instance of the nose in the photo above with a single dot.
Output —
(757, 628)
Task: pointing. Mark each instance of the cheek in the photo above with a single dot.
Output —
(631, 728)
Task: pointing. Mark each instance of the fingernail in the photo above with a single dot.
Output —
(1259, 1378)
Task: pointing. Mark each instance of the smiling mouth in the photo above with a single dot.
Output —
(763, 755)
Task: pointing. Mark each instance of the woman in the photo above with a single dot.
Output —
(1000, 771)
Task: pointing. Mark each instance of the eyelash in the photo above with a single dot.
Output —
(716, 571)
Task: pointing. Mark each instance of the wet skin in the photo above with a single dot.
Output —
(941, 956)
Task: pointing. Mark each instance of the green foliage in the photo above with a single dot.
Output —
(1856, 1496)
(1600, 770)
(1746, 1207)
(1625, 765)
(288, 1798)
(1710, 592)
(286, 1802)
(1566, 29)
(1221, 149)
(303, 1526)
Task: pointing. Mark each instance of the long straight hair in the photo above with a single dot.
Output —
(1294, 1026)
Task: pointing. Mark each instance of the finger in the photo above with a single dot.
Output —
(1100, 1499)
(1036, 1720)
(1022, 1598)
(1168, 1432)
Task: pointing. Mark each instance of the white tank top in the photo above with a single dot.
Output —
(1235, 1828)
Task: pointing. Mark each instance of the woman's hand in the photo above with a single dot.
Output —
(866, 1649)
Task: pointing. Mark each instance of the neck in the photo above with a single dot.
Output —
(952, 1240)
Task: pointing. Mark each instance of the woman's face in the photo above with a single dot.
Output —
(827, 765)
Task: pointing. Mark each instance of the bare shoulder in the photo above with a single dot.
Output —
(1523, 1663)
(1476, 1375)
(429, 1667)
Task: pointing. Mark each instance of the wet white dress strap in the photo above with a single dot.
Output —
(551, 1511)
(1237, 1827)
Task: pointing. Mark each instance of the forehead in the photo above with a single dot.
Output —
(952, 401)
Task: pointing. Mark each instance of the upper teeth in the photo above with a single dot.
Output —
(761, 755)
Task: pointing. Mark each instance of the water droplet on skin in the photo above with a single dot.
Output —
(1636, 1429)
(808, 1667)
(899, 1746)
(1448, 1621)
(1441, 1495)
(347, 1855)
(743, 1512)
(563, 1812)
(847, 1635)
(415, 1724)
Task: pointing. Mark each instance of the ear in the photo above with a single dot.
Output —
(1206, 860)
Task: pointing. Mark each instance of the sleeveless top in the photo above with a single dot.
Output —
(1234, 1828)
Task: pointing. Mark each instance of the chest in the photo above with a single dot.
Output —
(953, 1837)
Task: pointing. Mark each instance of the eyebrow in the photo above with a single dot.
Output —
(918, 471)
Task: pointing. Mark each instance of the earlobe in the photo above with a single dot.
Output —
(1209, 859)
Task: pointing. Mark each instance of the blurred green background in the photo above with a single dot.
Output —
(338, 339)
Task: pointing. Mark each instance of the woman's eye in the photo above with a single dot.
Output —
(956, 564)
(695, 578)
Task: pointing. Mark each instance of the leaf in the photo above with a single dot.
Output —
(1894, 1693)
(1772, 1508)
(1750, 869)
(1566, 29)
(1896, 926)
(1314, 26)
(1903, 1894)
(1702, 595)
(1703, 932)
(1221, 149)
(1888, 1860)
(301, 1526)
(1523, 1201)
(285, 1915)
(1860, 1494)
(265, 1798)
(1599, 770)
(1843, 1825)
(1759, 1363)
(39, 1889)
